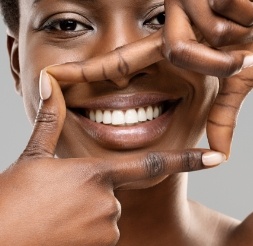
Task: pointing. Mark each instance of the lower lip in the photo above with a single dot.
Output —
(127, 137)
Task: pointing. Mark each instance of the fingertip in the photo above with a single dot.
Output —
(221, 147)
(50, 68)
(213, 158)
(248, 61)
(220, 138)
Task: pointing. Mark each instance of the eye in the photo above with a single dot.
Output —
(66, 25)
(156, 22)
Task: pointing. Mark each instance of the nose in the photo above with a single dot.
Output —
(120, 31)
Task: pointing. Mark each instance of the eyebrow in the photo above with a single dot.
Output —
(89, 1)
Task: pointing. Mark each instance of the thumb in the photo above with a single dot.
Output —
(49, 120)
(224, 112)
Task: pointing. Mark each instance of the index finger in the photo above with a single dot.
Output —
(158, 164)
(116, 64)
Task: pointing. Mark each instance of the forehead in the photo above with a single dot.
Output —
(36, 3)
(33, 9)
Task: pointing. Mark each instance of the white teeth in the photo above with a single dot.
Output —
(156, 112)
(99, 116)
(128, 117)
(142, 116)
(107, 118)
(131, 116)
(118, 117)
(92, 116)
(149, 112)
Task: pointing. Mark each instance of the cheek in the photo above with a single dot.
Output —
(33, 58)
(204, 94)
(190, 119)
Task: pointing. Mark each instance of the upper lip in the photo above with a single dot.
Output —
(124, 102)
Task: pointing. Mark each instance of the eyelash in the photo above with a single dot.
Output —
(52, 25)
(160, 18)
(58, 25)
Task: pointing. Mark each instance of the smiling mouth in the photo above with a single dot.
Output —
(126, 122)
(127, 117)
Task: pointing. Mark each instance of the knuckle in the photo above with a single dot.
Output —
(218, 34)
(247, 83)
(191, 161)
(46, 117)
(112, 235)
(84, 73)
(233, 66)
(101, 175)
(96, 177)
(220, 6)
(178, 53)
(123, 67)
(113, 209)
(89, 173)
(154, 164)
(35, 149)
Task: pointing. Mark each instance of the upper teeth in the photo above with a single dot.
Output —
(127, 117)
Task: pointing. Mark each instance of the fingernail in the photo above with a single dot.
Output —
(248, 61)
(45, 86)
(213, 158)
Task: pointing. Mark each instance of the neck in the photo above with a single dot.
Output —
(150, 213)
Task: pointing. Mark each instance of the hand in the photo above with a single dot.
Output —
(49, 201)
(221, 23)
(217, 20)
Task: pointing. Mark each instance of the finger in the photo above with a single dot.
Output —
(155, 164)
(240, 11)
(223, 115)
(49, 121)
(116, 64)
(183, 50)
(218, 31)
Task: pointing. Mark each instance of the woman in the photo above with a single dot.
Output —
(121, 121)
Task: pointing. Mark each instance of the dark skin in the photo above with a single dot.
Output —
(77, 199)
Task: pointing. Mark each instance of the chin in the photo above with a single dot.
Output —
(144, 184)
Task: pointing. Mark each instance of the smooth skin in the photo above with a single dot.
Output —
(77, 199)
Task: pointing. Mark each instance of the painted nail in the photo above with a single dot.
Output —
(213, 158)
(248, 61)
(45, 86)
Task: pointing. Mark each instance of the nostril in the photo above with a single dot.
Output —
(139, 75)
(124, 81)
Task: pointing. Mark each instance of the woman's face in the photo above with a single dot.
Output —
(59, 31)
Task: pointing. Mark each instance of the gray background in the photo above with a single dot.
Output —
(227, 188)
